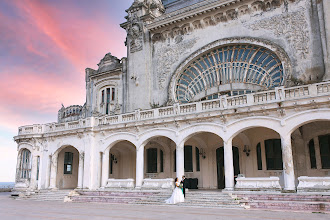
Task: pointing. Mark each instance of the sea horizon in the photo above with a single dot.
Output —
(7, 185)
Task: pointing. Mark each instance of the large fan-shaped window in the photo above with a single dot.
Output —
(233, 69)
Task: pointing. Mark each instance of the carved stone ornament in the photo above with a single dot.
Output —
(292, 26)
(135, 34)
(166, 56)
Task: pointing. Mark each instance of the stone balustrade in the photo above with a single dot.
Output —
(258, 183)
(308, 184)
(158, 183)
(120, 183)
(279, 94)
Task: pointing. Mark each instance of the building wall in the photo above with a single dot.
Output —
(67, 181)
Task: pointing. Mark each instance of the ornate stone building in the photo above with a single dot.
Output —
(232, 93)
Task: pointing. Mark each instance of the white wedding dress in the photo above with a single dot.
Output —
(177, 195)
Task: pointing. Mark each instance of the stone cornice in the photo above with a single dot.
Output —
(190, 12)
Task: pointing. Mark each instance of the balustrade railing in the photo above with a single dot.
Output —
(224, 102)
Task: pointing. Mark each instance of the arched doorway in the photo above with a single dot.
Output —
(122, 161)
(159, 159)
(67, 168)
(220, 165)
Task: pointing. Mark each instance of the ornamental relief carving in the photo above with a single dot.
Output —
(167, 55)
(135, 34)
(292, 26)
(221, 14)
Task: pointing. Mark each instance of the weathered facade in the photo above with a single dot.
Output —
(233, 93)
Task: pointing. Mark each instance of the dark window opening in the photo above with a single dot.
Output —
(324, 141)
(113, 94)
(259, 158)
(68, 162)
(197, 159)
(174, 154)
(152, 160)
(102, 101)
(273, 154)
(188, 162)
(161, 161)
(108, 101)
(312, 154)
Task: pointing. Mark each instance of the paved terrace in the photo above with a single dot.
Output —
(279, 99)
(26, 209)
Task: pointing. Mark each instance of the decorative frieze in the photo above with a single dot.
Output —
(221, 12)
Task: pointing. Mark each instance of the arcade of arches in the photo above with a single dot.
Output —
(203, 157)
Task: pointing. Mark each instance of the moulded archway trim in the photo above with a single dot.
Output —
(146, 136)
(276, 49)
(65, 146)
(295, 121)
(238, 126)
(111, 140)
(26, 145)
(192, 130)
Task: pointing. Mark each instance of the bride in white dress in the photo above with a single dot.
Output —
(177, 195)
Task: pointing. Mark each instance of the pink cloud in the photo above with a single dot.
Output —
(80, 40)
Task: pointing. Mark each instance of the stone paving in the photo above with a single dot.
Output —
(26, 209)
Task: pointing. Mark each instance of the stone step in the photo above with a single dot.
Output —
(287, 205)
(319, 198)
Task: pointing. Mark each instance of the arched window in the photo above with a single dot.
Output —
(108, 96)
(229, 69)
(25, 169)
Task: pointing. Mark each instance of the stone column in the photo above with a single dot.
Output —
(105, 167)
(81, 170)
(48, 172)
(34, 170)
(53, 171)
(288, 169)
(229, 165)
(180, 161)
(139, 166)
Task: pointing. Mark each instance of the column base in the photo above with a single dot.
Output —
(228, 189)
(289, 190)
(53, 188)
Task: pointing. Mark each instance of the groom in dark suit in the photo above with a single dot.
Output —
(183, 185)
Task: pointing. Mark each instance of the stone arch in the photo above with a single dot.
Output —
(238, 126)
(275, 49)
(164, 132)
(188, 132)
(295, 121)
(111, 140)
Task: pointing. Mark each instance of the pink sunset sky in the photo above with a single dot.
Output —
(45, 46)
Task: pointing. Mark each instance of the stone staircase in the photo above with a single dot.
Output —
(194, 198)
(45, 195)
(290, 202)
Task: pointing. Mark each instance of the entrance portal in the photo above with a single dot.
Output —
(220, 166)
(67, 168)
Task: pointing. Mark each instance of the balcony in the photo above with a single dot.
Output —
(224, 103)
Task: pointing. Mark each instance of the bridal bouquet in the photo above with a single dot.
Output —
(181, 185)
